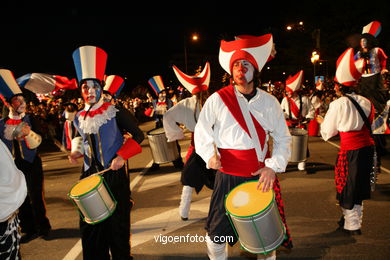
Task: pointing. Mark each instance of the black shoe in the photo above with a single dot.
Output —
(341, 222)
(178, 163)
(357, 232)
(28, 237)
(183, 218)
(44, 233)
(154, 167)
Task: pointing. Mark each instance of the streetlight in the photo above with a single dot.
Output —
(315, 56)
(194, 38)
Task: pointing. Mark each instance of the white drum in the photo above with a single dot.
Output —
(162, 150)
(299, 139)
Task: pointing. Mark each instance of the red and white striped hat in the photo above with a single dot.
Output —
(347, 70)
(294, 83)
(90, 62)
(196, 83)
(373, 28)
(255, 49)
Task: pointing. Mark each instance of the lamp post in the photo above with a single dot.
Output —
(315, 57)
(194, 38)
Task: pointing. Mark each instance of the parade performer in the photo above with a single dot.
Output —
(13, 191)
(113, 87)
(350, 116)
(159, 107)
(186, 112)
(238, 120)
(297, 108)
(316, 102)
(101, 127)
(371, 83)
(69, 131)
(20, 133)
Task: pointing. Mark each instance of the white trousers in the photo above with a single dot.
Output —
(185, 202)
(353, 217)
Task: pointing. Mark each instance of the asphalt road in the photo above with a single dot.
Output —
(311, 211)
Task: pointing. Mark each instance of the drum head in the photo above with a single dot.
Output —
(85, 185)
(245, 200)
(156, 131)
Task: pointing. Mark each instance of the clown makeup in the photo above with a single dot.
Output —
(243, 72)
(18, 104)
(91, 91)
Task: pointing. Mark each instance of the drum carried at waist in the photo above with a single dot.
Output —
(93, 199)
(162, 150)
(299, 139)
(255, 218)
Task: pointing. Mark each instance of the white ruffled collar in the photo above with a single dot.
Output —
(98, 115)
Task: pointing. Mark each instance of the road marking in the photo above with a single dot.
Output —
(77, 248)
(166, 222)
(382, 168)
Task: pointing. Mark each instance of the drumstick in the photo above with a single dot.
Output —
(101, 172)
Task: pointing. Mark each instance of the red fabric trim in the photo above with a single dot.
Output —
(161, 104)
(355, 139)
(67, 135)
(239, 162)
(293, 107)
(341, 171)
(260, 131)
(129, 149)
(229, 98)
(13, 121)
(98, 111)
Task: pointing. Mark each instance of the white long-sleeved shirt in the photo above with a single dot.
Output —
(13, 189)
(342, 116)
(185, 112)
(217, 125)
(307, 109)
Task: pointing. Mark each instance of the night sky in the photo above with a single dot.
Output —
(143, 42)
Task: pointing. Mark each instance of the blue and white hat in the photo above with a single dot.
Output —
(8, 85)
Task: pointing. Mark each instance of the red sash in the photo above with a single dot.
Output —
(240, 162)
(294, 108)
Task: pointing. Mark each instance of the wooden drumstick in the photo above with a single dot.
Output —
(101, 172)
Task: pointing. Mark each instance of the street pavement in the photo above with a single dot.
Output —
(309, 198)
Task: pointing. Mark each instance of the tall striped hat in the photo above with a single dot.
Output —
(157, 84)
(90, 62)
(294, 83)
(8, 85)
(196, 83)
(255, 49)
(114, 84)
(373, 28)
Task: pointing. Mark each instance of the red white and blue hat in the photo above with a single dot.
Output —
(294, 83)
(373, 28)
(90, 63)
(114, 84)
(42, 83)
(196, 83)
(348, 71)
(157, 84)
(255, 49)
(8, 85)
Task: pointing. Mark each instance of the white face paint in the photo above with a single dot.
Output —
(70, 115)
(243, 70)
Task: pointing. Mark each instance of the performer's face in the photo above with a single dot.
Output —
(243, 72)
(363, 43)
(18, 104)
(91, 91)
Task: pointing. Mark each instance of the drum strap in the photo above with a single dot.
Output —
(92, 144)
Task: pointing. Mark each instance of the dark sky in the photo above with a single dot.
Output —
(143, 42)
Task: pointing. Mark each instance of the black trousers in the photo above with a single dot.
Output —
(32, 213)
(112, 234)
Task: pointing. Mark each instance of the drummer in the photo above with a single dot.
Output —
(297, 108)
(100, 127)
(32, 214)
(355, 159)
(239, 119)
(186, 112)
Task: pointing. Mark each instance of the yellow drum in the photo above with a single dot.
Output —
(255, 218)
(93, 199)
